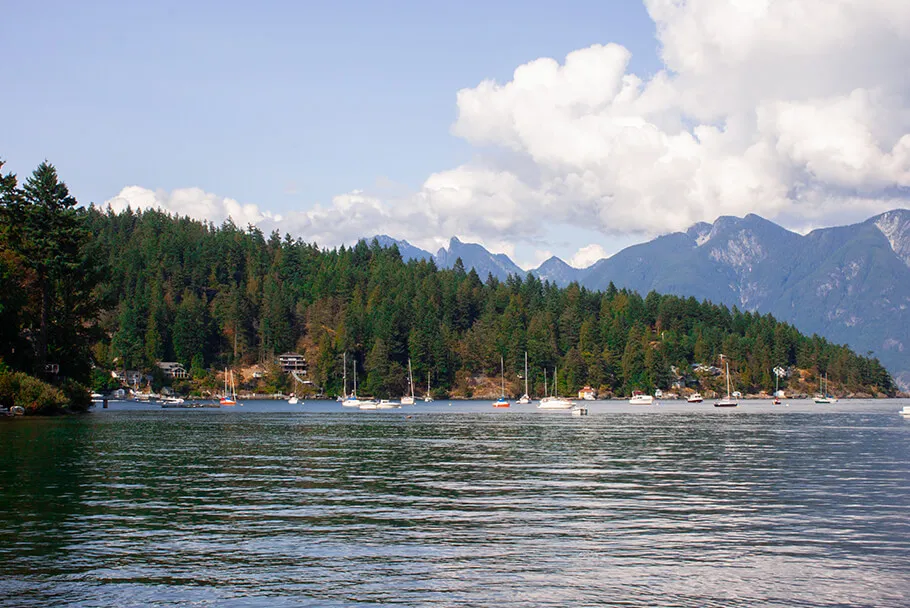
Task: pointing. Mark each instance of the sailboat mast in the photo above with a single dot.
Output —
(344, 374)
(526, 372)
(546, 391)
(556, 382)
(410, 379)
(727, 363)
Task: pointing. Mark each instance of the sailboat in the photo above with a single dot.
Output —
(344, 376)
(294, 400)
(229, 398)
(353, 400)
(409, 399)
(502, 401)
(554, 402)
(526, 398)
(823, 396)
(428, 397)
(776, 400)
(728, 400)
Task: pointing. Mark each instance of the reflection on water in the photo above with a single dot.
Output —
(669, 508)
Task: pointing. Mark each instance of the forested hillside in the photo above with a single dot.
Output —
(214, 296)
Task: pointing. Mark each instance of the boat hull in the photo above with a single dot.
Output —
(555, 404)
(644, 400)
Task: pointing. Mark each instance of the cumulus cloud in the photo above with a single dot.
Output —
(192, 202)
(587, 255)
(793, 109)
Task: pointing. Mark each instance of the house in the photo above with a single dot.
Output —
(587, 394)
(172, 369)
(292, 362)
(132, 377)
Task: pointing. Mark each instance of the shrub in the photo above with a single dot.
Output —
(37, 397)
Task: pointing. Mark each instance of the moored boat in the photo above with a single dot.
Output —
(230, 395)
(409, 398)
(428, 398)
(728, 400)
(502, 401)
(695, 398)
(640, 398)
(823, 397)
(555, 402)
(526, 398)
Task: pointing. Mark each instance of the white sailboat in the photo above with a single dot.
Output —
(409, 399)
(502, 401)
(230, 396)
(344, 376)
(526, 398)
(727, 401)
(554, 402)
(353, 400)
(823, 396)
(294, 400)
(428, 397)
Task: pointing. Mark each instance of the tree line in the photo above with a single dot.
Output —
(126, 290)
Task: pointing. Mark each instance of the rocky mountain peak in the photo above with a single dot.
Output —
(895, 225)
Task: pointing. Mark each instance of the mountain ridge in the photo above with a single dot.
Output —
(848, 283)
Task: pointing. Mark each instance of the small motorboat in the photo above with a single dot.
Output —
(639, 398)
(695, 398)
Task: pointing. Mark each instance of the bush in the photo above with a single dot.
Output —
(35, 396)
(77, 395)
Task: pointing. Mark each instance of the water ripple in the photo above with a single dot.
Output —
(446, 509)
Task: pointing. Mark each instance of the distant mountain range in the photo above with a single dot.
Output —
(850, 284)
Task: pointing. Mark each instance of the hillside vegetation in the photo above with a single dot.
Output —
(221, 296)
(87, 291)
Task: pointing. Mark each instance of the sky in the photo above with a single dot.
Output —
(535, 128)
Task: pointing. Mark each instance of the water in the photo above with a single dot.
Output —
(271, 505)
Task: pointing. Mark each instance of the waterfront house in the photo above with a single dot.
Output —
(172, 369)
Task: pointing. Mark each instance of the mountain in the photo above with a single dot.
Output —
(556, 271)
(477, 257)
(850, 284)
(408, 251)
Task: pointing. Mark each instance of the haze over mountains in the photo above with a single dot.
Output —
(850, 284)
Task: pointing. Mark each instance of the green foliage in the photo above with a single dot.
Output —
(177, 289)
(37, 397)
(103, 381)
(230, 296)
(48, 269)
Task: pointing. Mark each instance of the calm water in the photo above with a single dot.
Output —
(271, 505)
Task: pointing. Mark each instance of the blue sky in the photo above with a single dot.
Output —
(285, 105)
(256, 100)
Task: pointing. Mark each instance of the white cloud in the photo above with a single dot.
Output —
(192, 202)
(793, 109)
(587, 255)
